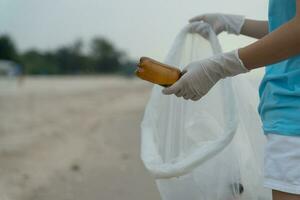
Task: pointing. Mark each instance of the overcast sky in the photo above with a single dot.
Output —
(139, 27)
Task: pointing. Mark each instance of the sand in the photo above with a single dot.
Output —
(76, 138)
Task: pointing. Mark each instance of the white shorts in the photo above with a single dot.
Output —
(282, 163)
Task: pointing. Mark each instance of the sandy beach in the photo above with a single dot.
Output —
(66, 138)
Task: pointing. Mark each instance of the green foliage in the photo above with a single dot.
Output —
(7, 48)
(70, 59)
(105, 58)
(102, 57)
(39, 63)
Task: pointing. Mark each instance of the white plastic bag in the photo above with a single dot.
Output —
(210, 149)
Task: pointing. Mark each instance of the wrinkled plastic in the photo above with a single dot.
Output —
(211, 149)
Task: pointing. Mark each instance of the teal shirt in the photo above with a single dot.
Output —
(280, 88)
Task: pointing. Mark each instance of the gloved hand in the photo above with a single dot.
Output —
(200, 28)
(222, 22)
(200, 76)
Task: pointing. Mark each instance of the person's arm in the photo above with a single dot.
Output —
(233, 24)
(200, 76)
(254, 28)
(274, 47)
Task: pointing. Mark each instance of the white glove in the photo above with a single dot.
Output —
(200, 76)
(200, 28)
(222, 22)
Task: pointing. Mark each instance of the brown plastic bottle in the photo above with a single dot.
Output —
(156, 72)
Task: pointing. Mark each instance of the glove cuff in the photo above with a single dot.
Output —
(243, 68)
(232, 64)
(225, 65)
(234, 23)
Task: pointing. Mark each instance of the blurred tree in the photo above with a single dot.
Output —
(71, 59)
(105, 57)
(39, 63)
(7, 48)
(128, 67)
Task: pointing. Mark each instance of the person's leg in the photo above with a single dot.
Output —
(277, 195)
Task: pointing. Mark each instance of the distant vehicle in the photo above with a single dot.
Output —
(10, 68)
